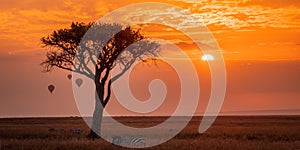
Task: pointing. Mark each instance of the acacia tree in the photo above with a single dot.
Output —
(105, 49)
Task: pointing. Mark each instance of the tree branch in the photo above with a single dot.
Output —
(108, 93)
(123, 71)
(103, 80)
(69, 69)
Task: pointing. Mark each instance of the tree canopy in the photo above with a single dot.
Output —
(104, 45)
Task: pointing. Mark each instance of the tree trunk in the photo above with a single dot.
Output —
(97, 119)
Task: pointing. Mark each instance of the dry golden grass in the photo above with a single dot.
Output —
(260, 132)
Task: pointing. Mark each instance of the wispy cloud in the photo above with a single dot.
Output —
(25, 22)
(246, 13)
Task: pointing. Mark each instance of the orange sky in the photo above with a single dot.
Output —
(259, 41)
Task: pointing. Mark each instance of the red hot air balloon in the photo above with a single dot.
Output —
(51, 88)
(78, 82)
(69, 76)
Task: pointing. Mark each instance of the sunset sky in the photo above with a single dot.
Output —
(259, 40)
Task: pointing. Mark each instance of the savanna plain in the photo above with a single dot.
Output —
(227, 132)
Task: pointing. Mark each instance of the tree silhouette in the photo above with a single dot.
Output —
(72, 49)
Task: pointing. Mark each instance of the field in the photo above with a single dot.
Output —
(228, 132)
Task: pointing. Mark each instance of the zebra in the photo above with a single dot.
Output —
(76, 130)
(129, 141)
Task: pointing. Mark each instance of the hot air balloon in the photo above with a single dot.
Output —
(69, 76)
(79, 82)
(51, 88)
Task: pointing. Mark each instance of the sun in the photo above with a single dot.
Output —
(207, 57)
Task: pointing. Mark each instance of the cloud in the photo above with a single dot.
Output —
(245, 13)
(27, 21)
(272, 3)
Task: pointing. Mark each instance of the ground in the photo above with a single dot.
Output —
(228, 132)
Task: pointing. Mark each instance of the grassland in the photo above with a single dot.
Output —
(228, 132)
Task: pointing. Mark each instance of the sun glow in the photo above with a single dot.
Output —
(207, 57)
